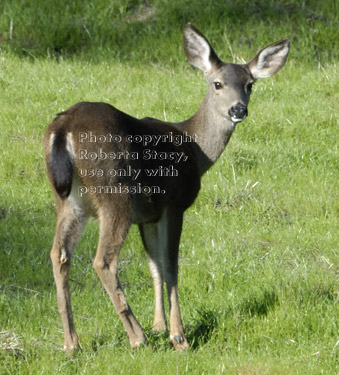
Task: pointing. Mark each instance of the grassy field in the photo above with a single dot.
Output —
(258, 279)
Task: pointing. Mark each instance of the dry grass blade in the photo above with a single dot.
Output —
(10, 341)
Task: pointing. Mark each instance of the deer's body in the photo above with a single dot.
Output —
(99, 164)
(124, 155)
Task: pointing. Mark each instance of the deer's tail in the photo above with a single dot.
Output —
(60, 163)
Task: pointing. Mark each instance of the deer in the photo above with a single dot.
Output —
(98, 161)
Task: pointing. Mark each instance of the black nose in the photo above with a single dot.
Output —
(238, 112)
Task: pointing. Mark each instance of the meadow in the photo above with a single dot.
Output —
(258, 276)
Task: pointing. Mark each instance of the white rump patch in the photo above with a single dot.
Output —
(51, 140)
(69, 145)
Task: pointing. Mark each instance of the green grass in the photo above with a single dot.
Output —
(258, 278)
(101, 29)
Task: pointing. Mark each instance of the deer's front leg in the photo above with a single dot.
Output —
(177, 336)
(151, 236)
(174, 219)
(159, 322)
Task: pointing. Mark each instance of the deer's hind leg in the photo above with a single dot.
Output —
(70, 224)
(114, 225)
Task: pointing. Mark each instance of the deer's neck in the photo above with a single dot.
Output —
(211, 132)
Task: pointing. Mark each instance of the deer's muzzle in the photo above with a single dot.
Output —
(238, 112)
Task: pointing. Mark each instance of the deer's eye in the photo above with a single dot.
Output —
(249, 87)
(218, 85)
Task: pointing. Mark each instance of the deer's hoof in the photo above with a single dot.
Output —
(179, 342)
(71, 348)
(139, 344)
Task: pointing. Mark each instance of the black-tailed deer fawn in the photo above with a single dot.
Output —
(122, 170)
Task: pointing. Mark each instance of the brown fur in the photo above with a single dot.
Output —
(158, 214)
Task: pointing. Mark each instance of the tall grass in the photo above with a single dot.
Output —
(258, 277)
(101, 28)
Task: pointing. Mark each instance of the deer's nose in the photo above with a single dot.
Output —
(238, 112)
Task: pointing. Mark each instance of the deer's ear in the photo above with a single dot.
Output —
(269, 60)
(198, 50)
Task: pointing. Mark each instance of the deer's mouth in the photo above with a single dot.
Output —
(237, 119)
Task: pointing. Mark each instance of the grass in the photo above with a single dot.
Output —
(102, 29)
(258, 277)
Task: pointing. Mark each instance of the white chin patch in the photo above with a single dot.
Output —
(236, 119)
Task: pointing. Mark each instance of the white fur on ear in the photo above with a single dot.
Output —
(197, 49)
(270, 60)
